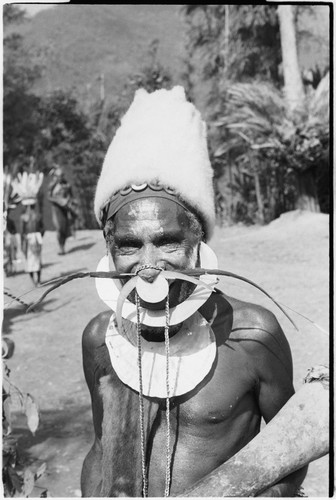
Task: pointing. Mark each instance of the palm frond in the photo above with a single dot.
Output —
(319, 104)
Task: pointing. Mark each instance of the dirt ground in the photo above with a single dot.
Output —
(289, 258)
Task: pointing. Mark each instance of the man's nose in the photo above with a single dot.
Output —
(149, 273)
(151, 265)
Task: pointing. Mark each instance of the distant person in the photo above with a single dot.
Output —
(31, 232)
(26, 187)
(10, 243)
(63, 207)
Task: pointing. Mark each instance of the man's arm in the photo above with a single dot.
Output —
(91, 476)
(93, 338)
(273, 362)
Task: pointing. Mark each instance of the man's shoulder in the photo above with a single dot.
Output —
(95, 330)
(248, 320)
(260, 332)
(253, 316)
(255, 331)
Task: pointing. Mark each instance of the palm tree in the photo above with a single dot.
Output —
(270, 139)
(294, 90)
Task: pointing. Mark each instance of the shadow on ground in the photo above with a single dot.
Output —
(11, 313)
(59, 424)
(62, 275)
(62, 441)
(87, 246)
(20, 272)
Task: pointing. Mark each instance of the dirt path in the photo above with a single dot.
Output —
(289, 258)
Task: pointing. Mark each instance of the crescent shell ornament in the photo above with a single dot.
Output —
(110, 290)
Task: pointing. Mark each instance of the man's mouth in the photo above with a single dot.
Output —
(178, 292)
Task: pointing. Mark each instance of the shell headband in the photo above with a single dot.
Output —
(136, 192)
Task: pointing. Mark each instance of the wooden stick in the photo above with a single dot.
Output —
(296, 436)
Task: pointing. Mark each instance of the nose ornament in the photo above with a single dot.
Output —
(148, 272)
(152, 292)
(151, 286)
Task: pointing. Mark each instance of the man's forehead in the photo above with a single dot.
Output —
(150, 209)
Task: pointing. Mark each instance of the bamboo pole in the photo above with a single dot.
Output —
(296, 436)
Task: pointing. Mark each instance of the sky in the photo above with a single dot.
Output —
(34, 8)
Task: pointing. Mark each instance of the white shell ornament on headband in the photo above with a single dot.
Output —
(110, 290)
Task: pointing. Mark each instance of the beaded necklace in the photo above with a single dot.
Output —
(141, 412)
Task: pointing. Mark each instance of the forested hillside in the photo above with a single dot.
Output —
(80, 43)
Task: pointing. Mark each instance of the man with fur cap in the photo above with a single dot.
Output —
(180, 375)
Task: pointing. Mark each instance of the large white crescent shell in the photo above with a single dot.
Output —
(109, 289)
(192, 352)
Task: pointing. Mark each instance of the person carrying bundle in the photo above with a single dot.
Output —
(63, 207)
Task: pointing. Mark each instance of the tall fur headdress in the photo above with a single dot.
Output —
(162, 138)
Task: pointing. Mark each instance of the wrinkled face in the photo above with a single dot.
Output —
(155, 232)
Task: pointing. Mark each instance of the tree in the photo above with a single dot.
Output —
(103, 120)
(105, 116)
(54, 130)
(229, 43)
(153, 76)
(69, 139)
(233, 43)
(294, 92)
(51, 129)
(12, 15)
(262, 131)
(20, 118)
(239, 49)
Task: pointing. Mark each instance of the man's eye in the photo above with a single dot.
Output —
(129, 245)
(127, 250)
(170, 245)
(126, 247)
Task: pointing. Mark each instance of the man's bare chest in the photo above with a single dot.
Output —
(227, 390)
(208, 423)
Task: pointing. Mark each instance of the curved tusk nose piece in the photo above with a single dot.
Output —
(152, 292)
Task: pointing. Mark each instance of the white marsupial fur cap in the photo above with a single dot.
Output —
(162, 138)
